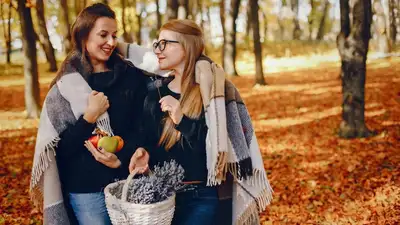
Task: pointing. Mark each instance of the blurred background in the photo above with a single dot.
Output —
(292, 70)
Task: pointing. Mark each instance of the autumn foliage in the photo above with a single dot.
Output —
(317, 177)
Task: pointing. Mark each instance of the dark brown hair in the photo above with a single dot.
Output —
(81, 28)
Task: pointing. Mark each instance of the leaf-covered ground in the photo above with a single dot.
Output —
(317, 177)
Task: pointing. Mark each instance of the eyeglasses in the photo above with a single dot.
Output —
(161, 44)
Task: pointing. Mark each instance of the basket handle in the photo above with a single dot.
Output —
(126, 185)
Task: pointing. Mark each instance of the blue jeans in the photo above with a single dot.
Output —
(196, 205)
(90, 208)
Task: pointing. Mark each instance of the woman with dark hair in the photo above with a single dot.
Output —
(94, 89)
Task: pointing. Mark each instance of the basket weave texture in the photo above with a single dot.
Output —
(122, 212)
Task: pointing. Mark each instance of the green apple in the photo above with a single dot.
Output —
(109, 144)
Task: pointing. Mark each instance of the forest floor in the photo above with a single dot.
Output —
(317, 177)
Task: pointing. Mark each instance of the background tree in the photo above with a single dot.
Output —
(65, 26)
(321, 28)
(352, 43)
(139, 10)
(32, 91)
(80, 4)
(228, 19)
(44, 36)
(183, 9)
(295, 8)
(172, 10)
(159, 21)
(393, 14)
(248, 24)
(380, 27)
(257, 45)
(126, 36)
(265, 25)
(7, 28)
(285, 20)
(311, 18)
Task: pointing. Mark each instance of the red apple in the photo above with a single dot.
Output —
(120, 143)
(94, 140)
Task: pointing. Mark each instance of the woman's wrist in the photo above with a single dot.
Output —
(179, 118)
(90, 117)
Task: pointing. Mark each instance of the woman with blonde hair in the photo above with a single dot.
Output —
(175, 126)
(199, 120)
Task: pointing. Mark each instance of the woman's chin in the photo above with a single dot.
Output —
(162, 67)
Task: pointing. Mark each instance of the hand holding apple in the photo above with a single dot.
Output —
(110, 144)
(102, 156)
(120, 143)
(94, 140)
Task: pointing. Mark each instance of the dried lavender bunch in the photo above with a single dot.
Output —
(157, 187)
(172, 174)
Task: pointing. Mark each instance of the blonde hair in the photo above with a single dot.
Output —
(190, 36)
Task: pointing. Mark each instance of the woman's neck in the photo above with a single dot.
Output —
(99, 66)
(175, 84)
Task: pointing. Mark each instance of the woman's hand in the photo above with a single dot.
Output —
(172, 105)
(139, 161)
(102, 156)
(97, 105)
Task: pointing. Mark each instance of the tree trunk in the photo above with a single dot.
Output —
(194, 9)
(78, 6)
(32, 91)
(248, 25)
(7, 30)
(126, 36)
(265, 19)
(138, 34)
(257, 45)
(295, 9)
(222, 16)
(172, 9)
(208, 35)
(321, 28)
(138, 13)
(183, 9)
(8, 41)
(200, 11)
(280, 22)
(380, 27)
(229, 50)
(209, 17)
(65, 26)
(392, 19)
(352, 43)
(44, 37)
(158, 15)
(311, 20)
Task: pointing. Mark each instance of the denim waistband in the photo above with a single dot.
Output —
(191, 187)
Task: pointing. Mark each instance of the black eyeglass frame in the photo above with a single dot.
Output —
(162, 44)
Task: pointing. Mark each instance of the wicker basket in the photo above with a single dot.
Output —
(126, 213)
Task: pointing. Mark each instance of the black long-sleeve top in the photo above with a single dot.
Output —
(189, 151)
(78, 169)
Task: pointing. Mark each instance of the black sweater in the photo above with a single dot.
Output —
(189, 151)
(79, 171)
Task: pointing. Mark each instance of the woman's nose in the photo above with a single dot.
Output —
(112, 41)
(156, 50)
